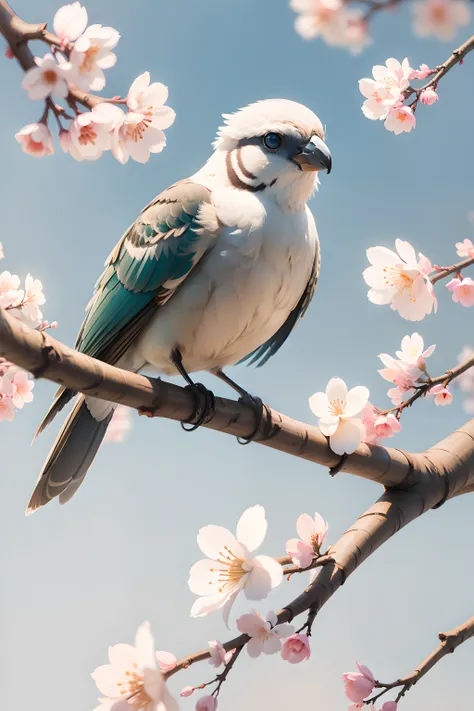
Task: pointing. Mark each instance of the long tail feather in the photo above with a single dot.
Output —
(71, 456)
(61, 399)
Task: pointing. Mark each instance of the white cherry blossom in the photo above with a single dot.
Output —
(337, 410)
(36, 140)
(265, 634)
(92, 54)
(47, 78)
(70, 21)
(230, 566)
(440, 18)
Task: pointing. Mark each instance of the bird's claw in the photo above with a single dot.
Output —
(265, 427)
(204, 407)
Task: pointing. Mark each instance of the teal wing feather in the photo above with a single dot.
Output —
(264, 352)
(149, 263)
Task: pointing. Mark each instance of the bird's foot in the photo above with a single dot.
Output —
(204, 407)
(265, 428)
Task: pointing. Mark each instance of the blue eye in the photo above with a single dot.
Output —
(272, 141)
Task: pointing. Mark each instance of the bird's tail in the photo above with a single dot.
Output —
(71, 456)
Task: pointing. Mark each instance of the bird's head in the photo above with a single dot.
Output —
(275, 147)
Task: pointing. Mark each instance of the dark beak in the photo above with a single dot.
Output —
(314, 156)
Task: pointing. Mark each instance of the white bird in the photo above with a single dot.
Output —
(217, 269)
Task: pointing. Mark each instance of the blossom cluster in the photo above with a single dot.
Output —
(135, 675)
(22, 303)
(342, 26)
(80, 57)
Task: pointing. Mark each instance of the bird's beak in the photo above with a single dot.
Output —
(314, 156)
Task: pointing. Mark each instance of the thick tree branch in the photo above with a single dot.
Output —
(449, 642)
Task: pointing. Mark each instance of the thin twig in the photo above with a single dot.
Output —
(443, 272)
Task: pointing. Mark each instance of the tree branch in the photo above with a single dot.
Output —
(449, 642)
(443, 272)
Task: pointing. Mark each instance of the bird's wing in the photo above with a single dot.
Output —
(146, 267)
(144, 270)
(264, 352)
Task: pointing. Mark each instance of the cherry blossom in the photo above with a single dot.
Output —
(47, 78)
(402, 281)
(36, 140)
(337, 410)
(389, 706)
(422, 73)
(230, 567)
(378, 426)
(187, 691)
(21, 386)
(166, 661)
(132, 673)
(70, 21)
(400, 119)
(442, 395)
(462, 289)
(218, 654)
(296, 649)
(465, 249)
(206, 703)
(89, 135)
(312, 533)
(7, 409)
(333, 22)
(265, 634)
(32, 298)
(412, 355)
(359, 685)
(440, 18)
(385, 89)
(428, 96)
(92, 54)
(9, 292)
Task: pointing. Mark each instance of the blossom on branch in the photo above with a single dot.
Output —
(89, 135)
(378, 426)
(47, 78)
(337, 410)
(442, 395)
(218, 654)
(359, 685)
(422, 73)
(312, 533)
(462, 289)
(265, 634)
(92, 54)
(36, 140)
(401, 280)
(70, 21)
(296, 649)
(440, 18)
(400, 119)
(385, 89)
(412, 353)
(333, 21)
(206, 703)
(230, 567)
(132, 676)
(428, 96)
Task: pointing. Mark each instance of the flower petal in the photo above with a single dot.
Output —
(213, 540)
(336, 390)
(357, 399)
(406, 251)
(145, 645)
(252, 527)
(347, 437)
(305, 527)
(319, 405)
(265, 575)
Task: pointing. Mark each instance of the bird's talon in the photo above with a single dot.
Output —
(204, 407)
(265, 427)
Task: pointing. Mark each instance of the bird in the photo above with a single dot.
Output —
(216, 270)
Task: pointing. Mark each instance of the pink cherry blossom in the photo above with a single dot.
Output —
(442, 395)
(359, 685)
(338, 410)
(70, 21)
(412, 354)
(22, 387)
(132, 671)
(400, 119)
(186, 691)
(230, 566)
(10, 294)
(218, 654)
(206, 703)
(399, 373)
(400, 279)
(462, 290)
(47, 78)
(7, 410)
(385, 89)
(389, 706)
(296, 649)
(440, 18)
(92, 54)
(166, 660)
(120, 425)
(36, 140)
(377, 426)
(89, 135)
(265, 634)
(465, 249)
(312, 533)
(422, 73)
(428, 96)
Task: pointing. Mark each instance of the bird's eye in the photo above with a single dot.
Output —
(272, 141)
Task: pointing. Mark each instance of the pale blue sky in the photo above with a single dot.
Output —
(78, 578)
